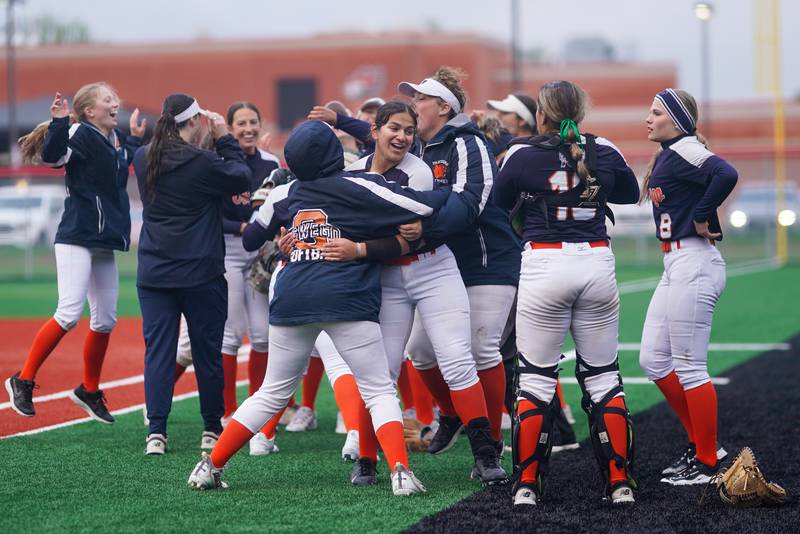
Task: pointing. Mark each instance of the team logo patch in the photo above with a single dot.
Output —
(241, 200)
(312, 231)
(656, 195)
(440, 171)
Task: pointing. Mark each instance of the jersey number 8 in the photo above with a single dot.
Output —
(563, 181)
(665, 228)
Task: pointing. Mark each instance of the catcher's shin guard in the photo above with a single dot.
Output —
(544, 439)
(601, 438)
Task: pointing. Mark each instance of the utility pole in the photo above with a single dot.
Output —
(13, 130)
(516, 78)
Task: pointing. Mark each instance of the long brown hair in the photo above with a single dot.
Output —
(85, 97)
(166, 135)
(691, 106)
(561, 100)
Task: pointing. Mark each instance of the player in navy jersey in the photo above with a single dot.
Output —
(567, 283)
(685, 183)
(341, 298)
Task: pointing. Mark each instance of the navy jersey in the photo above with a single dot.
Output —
(237, 208)
(97, 208)
(353, 205)
(474, 227)
(269, 218)
(410, 172)
(688, 183)
(545, 167)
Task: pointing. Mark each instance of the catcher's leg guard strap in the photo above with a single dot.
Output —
(603, 440)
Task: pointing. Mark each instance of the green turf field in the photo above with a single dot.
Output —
(91, 477)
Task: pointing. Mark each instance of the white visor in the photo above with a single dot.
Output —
(430, 87)
(512, 104)
(189, 112)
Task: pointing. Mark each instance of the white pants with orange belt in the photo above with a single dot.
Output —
(678, 323)
(568, 289)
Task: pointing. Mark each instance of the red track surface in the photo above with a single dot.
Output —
(63, 370)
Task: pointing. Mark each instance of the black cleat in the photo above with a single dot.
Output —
(696, 474)
(92, 403)
(20, 393)
(687, 457)
(485, 450)
(364, 473)
(449, 429)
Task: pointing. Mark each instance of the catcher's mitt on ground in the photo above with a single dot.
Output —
(743, 485)
(412, 432)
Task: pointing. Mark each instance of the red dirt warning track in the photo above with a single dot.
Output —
(63, 371)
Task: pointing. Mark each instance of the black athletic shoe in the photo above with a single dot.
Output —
(92, 403)
(695, 474)
(687, 457)
(446, 436)
(20, 393)
(485, 450)
(364, 473)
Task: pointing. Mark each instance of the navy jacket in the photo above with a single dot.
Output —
(548, 169)
(97, 209)
(691, 182)
(476, 229)
(237, 208)
(325, 202)
(181, 244)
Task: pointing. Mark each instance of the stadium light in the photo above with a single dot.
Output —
(787, 217)
(738, 218)
(703, 10)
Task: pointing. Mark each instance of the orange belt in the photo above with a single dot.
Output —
(405, 260)
(593, 244)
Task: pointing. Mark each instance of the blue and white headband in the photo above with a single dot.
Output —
(677, 110)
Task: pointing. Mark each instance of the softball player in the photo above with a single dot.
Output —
(342, 299)
(686, 183)
(248, 310)
(567, 283)
(96, 222)
(483, 243)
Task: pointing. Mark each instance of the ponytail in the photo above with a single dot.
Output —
(165, 135)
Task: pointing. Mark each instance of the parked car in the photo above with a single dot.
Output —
(29, 214)
(756, 206)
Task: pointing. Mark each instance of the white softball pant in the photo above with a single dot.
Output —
(434, 286)
(678, 323)
(335, 366)
(361, 347)
(569, 289)
(82, 273)
(248, 310)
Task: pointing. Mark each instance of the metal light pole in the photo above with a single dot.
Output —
(703, 11)
(11, 63)
(516, 79)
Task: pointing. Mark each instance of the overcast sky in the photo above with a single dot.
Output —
(644, 30)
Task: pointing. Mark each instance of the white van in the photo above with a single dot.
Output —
(29, 215)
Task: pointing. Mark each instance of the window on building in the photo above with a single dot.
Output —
(296, 97)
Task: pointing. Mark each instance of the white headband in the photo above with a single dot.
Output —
(431, 87)
(512, 104)
(189, 112)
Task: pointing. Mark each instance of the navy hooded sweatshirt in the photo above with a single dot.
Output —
(181, 244)
(326, 202)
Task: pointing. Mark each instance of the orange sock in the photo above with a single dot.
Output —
(347, 396)
(367, 439)
(702, 403)
(404, 386)
(94, 352)
(423, 400)
(438, 387)
(256, 369)
(229, 388)
(179, 370)
(618, 433)
(671, 387)
(311, 381)
(270, 429)
(390, 436)
(560, 393)
(45, 341)
(493, 382)
(530, 428)
(230, 441)
(470, 403)
(292, 403)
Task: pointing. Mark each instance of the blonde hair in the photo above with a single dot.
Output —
(31, 144)
(452, 78)
(691, 106)
(561, 100)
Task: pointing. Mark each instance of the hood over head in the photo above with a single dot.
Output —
(313, 151)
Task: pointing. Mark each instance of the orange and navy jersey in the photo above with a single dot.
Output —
(353, 205)
(688, 183)
(541, 167)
